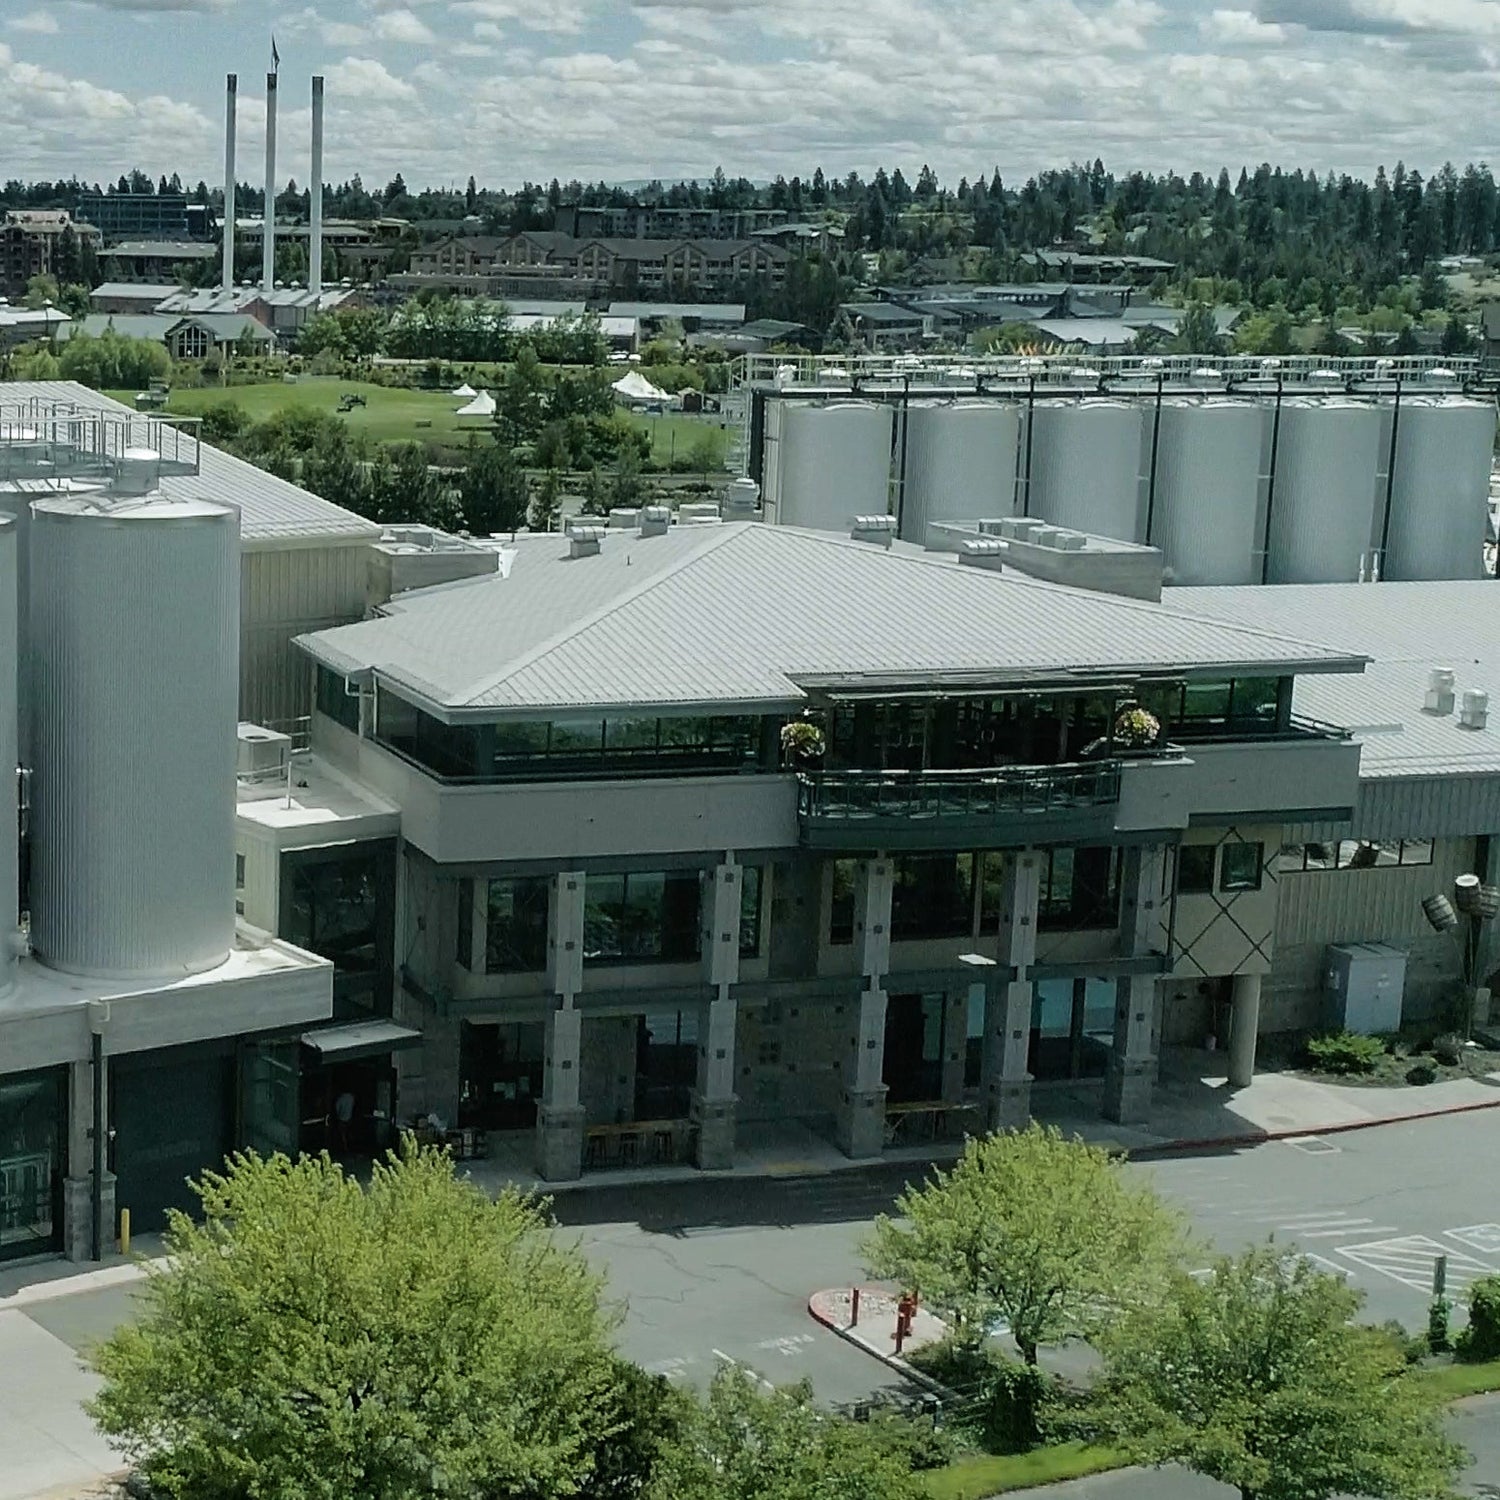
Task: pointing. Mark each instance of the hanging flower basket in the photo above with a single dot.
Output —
(1135, 728)
(802, 741)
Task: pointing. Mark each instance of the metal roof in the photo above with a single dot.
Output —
(272, 511)
(746, 614)
(161, 250)
(1407, 629)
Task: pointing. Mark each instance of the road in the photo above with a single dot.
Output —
(715, 1270)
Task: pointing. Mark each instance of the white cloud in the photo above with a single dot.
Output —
(402, 26)
(1237, 28)
(365, 78)
(37, 22)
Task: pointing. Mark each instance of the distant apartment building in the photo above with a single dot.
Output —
(156, 261)
(30, 240)
(643, 221)
(155, 216)
(617, 266)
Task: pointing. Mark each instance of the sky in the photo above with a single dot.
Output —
(626, 89)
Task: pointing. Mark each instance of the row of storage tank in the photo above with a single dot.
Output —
(1231, 490)
(119, 650)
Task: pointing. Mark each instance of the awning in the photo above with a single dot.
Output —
(360, 1039)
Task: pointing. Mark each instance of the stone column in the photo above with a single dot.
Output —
(1008, 1004)
(78, 1184)
(1131, 1074)
(713, 1103)
(861, 1112)
(1244, 1027)
(559, 1118)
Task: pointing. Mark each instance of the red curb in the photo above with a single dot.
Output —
(1343, 1127)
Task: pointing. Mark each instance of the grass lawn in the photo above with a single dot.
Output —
(992, 1474)
(1456, 1380)
(396, 415)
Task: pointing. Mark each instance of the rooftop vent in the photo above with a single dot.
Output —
(742, 500)
(583, 541)
(624, 518)
(983, 552)
(697, 513)
(654, 520)
(878, 529)
(137, 471)
(261, 754)
(1439, 699)
(1475, 712)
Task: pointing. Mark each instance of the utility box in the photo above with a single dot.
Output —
(1365, 983)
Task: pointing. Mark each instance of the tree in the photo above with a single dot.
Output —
(321, 1340)
(1031, 1229)
(1456, 337)
(546, 502)
(1198, 333)
(521, 401)
(749, 1445)
(1256, 1376)
(492, 491)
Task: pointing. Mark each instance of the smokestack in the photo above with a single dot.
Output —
(231, 100)
(268, 239)
(315, 198)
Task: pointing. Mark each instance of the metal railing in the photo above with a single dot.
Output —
(995, 791)
(62, 440)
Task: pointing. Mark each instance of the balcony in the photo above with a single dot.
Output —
(938, 810)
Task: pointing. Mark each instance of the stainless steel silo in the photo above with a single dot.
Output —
(960, 459)
(1086, 467)
(135, 639)
(9, 825)
(1207, 493)
(834, 462)
(1323, 490)
(1440, 490)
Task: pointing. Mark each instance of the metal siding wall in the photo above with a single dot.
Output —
(285, 593)
(136, 656)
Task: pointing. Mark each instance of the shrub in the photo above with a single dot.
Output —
(1481, 1339)
(1412, 1347)
(1421, 1073)
(1003, 1402)
(1439, 1311)
(919, 1441)
(1344, 1052)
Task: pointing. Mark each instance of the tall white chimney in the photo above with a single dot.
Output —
(268, 238)
(315, 195)
(231, 100)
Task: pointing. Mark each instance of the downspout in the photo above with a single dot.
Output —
(1390, 478)
(1265, 556)
(1030, 436)
(1161, 382)
(901, 465)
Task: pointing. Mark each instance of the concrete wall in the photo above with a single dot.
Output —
(787, 1056)
(285, 592)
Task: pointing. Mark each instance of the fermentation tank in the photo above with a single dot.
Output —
(1208, 456)
(834, 463)
(960, 464)
(1086, 467)
(9, 841)
(1323, 499)
(135, 638)
(1440, 496)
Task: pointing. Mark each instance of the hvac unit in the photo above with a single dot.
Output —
(1365, 983)
(261, 753)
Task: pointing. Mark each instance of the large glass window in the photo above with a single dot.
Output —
(932, 896)
(666, 1064)
(1195, 869)
(336, 701)
(1240, 867)
(1080, 888)
(841, 911)
(465, 953)
(515, 933)
(1354, 854)
(642, 916)
(32, 1141)
(340, 904)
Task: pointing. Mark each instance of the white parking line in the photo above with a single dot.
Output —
(1409, 1259)
(1484, 1238)
(755, 1375)
(1358, 1226)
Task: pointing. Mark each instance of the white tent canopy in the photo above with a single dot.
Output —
(635, 388)
(483, 405)
(466, 390)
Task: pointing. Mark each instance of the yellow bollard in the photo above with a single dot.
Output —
(124, 1231)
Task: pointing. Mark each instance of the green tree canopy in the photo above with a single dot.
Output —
(746, 1444)
(1256, 1376)
(321, 1340)
(1040, 1232)
(492, 490)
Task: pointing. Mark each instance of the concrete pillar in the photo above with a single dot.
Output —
(559, 1117)
(861, 1112)
(1006, 1077)
(1244, 1027)
(78, 1184)
(955, 1044)
(1130, 1078)
(713, 1102)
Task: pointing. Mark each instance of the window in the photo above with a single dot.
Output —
(1240, 868)
(932, 896)
(239, 872)
(750, 897)
(1354, 854)
(342, 907)
(515, 933)
(1080, 889)
(841, 913)
(1195, 869)
(643, 916)
(465, 953)
(336, 702)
